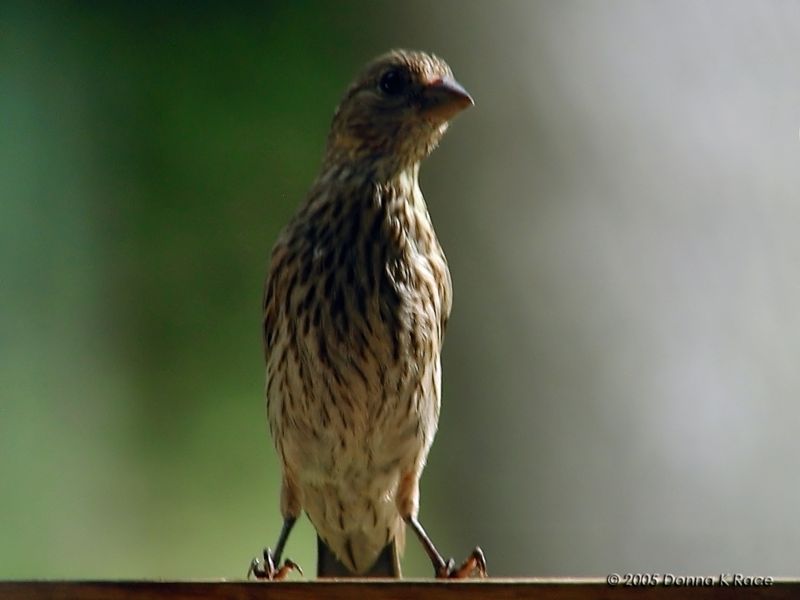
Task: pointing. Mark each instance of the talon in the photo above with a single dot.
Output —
(290, 564)
(269, 562)
(446, 569)
(288, 567)
(265, 569)
(258, 569)
(255, 566)
(474, 565)
(481, 562)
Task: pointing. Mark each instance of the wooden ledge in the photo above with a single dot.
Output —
(371, 589)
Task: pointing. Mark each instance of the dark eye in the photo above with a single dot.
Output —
(393, 82)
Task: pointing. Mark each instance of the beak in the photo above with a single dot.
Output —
(444, 98)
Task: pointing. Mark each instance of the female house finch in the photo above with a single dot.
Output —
(355, 307)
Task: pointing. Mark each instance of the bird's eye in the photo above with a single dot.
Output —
(393, 82)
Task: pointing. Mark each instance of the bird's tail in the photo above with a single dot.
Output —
(386, 565)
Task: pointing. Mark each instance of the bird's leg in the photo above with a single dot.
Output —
(267, 569)
(475, 563)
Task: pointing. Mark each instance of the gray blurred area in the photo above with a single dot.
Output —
(619, 210)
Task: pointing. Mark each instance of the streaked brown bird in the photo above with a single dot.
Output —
(355, 307)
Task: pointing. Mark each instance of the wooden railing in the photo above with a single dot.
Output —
(490, 589)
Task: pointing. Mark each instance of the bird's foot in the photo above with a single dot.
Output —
(474, 566)
(266, 569)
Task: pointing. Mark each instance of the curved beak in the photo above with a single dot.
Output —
(444, 98)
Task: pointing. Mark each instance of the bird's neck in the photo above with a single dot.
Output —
(366, 192)
(400, 181)
(404, 184)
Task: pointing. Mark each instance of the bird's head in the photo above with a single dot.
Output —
(396, 111)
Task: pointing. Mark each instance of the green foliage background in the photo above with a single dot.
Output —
(151, 152)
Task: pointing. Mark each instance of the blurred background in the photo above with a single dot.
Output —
(620, 211)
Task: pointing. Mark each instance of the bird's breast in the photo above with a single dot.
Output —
(362, 323)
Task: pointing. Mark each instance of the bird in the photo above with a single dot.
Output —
(356, 303)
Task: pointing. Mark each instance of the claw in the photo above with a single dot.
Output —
(445, 570)
(475, 564)
(288, 566)
(266, 569)
(255, 565)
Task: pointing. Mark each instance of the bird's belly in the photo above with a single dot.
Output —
(348, 491)
(347, 472)
(364, 401)
(349, 436)
(358, 435)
